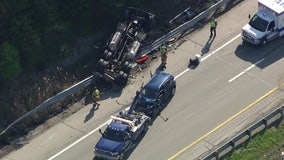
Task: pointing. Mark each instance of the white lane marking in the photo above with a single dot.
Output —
(243, 72)
(82, 138)
(210, 54)
(73, 144)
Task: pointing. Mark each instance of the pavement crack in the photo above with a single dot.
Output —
(195, 42)
(72, 127)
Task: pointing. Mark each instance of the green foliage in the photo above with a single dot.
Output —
(65, 50)
(9, 61)
(259, 147)
(39, 28)
(43, 30)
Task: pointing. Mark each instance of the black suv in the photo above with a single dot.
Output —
(152, 97)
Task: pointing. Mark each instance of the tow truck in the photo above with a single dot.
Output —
(118, 57)
(121, 133)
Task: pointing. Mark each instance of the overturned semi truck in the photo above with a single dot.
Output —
(118, 57)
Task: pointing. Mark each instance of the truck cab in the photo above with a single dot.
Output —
(120, 134)
(267, 24)
(115, 139)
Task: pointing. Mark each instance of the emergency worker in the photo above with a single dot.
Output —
(213, 25)
(163, 50)
(96, 97)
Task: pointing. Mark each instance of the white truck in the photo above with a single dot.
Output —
(267, 24)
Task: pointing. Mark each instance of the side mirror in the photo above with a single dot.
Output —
(100, 130)
(137, 92)
(249, 16)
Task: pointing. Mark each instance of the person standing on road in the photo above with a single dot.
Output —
(163, 50)
(96, 97)
(213, 25)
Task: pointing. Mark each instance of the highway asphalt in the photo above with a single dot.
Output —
(231, 77)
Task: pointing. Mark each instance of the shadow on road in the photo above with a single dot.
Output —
(207, 46)
(261, 56)
(90, 114)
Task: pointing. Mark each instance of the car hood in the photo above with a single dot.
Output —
(252, 31)
(109, 145)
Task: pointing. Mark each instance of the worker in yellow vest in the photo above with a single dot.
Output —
(213, 25)
(96, 97)
(163, 50)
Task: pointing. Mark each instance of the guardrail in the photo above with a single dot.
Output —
(247, 134)
(174, 33)
(58, 97)
(221, 5)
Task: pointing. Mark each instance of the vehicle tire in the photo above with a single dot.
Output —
(107, 55)
(105, 63)
(263, 42)
(146, 126)
(156, 111)
(126, 67)
(173, 91)
(122, 78)
(101, 65)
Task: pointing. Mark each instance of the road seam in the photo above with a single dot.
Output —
(246, 70)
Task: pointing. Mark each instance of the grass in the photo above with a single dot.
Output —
(262, 147)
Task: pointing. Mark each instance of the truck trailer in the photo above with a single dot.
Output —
(267, 24)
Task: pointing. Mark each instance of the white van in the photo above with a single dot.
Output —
(267, 24)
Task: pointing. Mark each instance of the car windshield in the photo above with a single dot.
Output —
(258, 23)
(115, 135)
(148, 93)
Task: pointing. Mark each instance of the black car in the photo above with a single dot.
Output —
(152, 97)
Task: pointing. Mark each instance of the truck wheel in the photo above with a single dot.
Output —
(121, 78)
(126, 67)
(146, 127)
(101, 65)
(107, 55)
(173, 91)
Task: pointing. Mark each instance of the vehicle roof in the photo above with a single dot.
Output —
(157, 80)
(118, 126)
(275, 5)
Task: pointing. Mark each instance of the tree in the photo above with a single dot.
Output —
(9, 61)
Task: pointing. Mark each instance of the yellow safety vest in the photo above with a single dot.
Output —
(97, 94)
(213, 23)
(163, 49)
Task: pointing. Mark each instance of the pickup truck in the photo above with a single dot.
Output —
(121, 133)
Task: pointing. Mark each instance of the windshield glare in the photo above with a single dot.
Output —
(114, 135)
(258, 23)
(148, 93)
